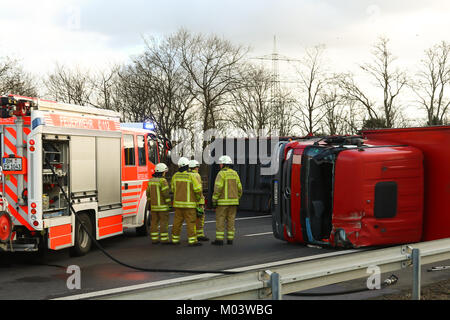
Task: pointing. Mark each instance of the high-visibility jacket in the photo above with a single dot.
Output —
(187, 191)
(199, 179)
(158, 194)
(227, 188)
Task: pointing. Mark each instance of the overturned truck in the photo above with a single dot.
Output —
(387, 186)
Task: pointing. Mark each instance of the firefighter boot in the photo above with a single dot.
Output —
(202, 238)
(217, 242)
(229, 241)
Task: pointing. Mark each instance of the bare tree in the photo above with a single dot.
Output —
(391, 81)
(432, 83)
(14, 80)
(105, 85)
(335, 112)
(313, 81)
(155, 87)
(212, 64)
(70, 85)
(251, 109)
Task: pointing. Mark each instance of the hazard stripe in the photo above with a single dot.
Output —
(19, 217)
(130, 207)
(12, 132)
(11, 147)
(26, 130)
(135, 200)
(129, 194)
(13, 180)
(11, 194)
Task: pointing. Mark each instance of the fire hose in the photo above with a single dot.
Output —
(97, 244)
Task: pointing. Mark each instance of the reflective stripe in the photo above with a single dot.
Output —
(164, 236)
(192, 240)
(182, 204)
(220, 235)
(228, 202)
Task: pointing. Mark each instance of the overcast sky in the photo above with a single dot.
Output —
(96, 33)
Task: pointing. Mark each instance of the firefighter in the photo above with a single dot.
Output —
(227, 192)
(187, 192)
(193, 168)
(158, 195)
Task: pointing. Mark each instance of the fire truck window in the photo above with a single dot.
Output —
(141, 150)
(385, 205)
(128, 146)
(152, 151)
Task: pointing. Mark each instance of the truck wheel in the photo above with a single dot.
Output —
(145, 229)
(82, 240)
(5, 227)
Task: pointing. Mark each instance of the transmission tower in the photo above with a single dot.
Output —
(275, 88)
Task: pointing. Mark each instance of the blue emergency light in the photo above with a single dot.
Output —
(149, 125)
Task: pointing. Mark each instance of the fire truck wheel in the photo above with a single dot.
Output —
(5, 227)
(145, 229)
(82, 241)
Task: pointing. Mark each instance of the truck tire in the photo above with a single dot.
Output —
(83, 242)
(145, 229)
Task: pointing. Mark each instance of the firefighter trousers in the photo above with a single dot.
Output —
(199, 225)
(159, 226)
(184, 214)
(225, 215)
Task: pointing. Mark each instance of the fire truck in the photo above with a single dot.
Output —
(56, 155)
(383, 187)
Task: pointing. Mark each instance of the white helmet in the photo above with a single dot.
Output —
(161, 167)
(183, 162)
(194, 164)
(225, 160)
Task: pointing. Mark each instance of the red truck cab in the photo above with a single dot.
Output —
(350, 192)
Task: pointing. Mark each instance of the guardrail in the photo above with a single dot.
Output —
(286, 278)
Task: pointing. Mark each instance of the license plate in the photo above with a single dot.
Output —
(12, 164)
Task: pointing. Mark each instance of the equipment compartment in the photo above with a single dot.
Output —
(56, 154)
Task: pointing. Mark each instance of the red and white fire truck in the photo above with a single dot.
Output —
(102, 167)
(387, 186)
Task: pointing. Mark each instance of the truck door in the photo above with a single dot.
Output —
(129, 169)
(316, 194)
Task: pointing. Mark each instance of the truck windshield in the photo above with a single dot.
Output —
(317, 192)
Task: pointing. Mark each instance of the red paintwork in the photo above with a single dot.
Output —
(136, 172)
(435, 145)
(356, 174)
(298, 147)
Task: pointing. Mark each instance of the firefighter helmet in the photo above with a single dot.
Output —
(161, 167)
(183, 162)
(225, 160)
(194, 164)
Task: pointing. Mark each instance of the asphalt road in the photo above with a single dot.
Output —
(22, 277)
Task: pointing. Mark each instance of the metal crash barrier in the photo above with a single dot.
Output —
(283, 278)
